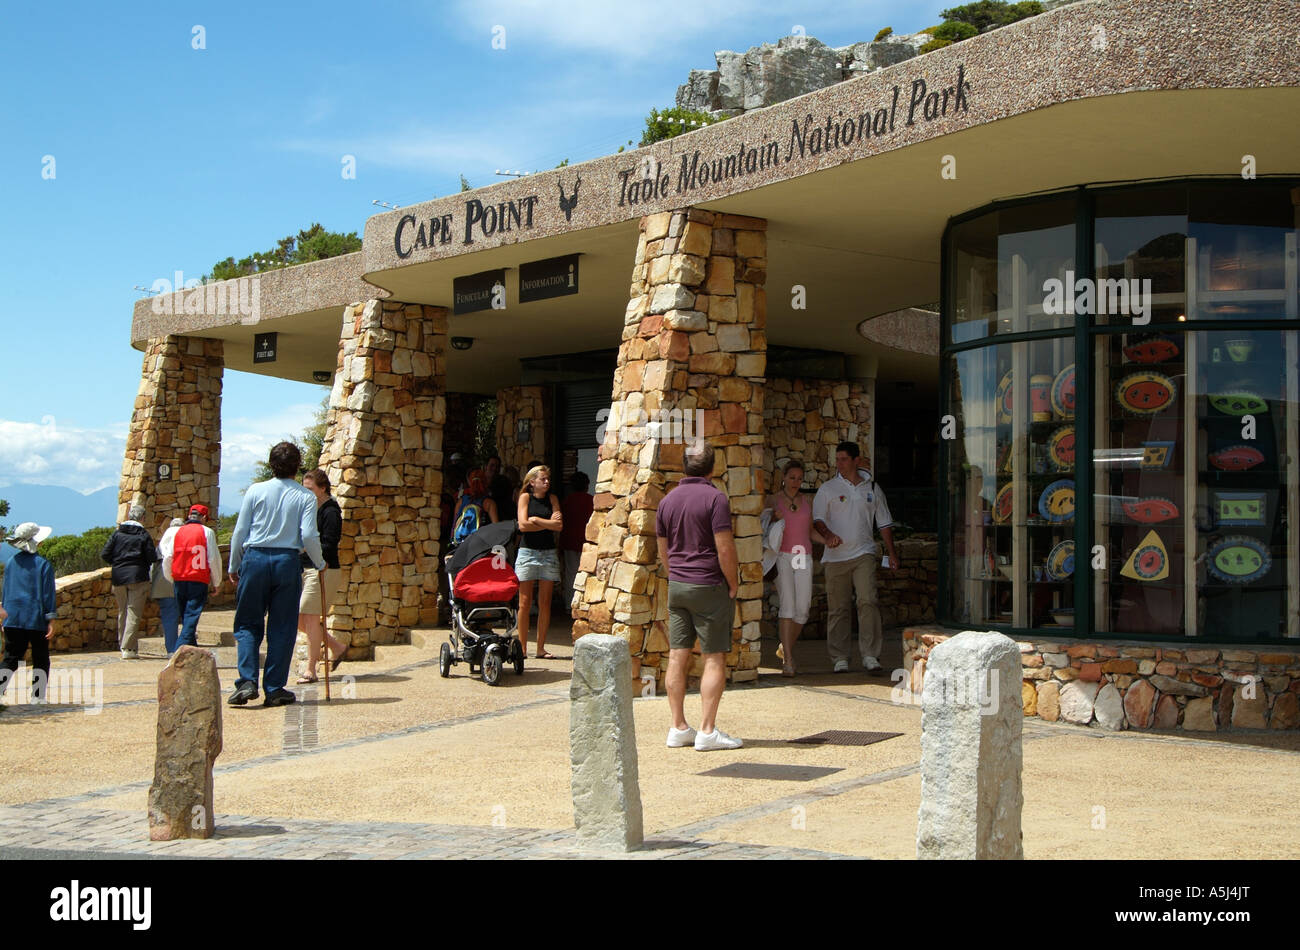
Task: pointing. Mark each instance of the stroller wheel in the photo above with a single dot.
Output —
(444, 660)
(492, 668)
(517, 657)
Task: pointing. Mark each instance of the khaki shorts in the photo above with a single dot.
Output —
(703, 610)
(309, 602)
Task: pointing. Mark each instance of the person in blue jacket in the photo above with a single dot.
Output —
(27, 608)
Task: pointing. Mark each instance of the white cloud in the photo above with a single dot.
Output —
(47, 453)
(631, 30)
(87, 460)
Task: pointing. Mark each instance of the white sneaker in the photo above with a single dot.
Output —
(841, 666)
(680, 738)
(871, 664)
(717, 739)
(130, 655)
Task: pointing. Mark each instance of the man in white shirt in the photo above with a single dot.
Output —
(846, 510)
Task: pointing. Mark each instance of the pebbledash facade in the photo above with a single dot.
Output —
(1099, 426)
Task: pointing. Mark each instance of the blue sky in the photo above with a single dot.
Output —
(168, 157)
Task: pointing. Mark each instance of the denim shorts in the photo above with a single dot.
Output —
(537, 565)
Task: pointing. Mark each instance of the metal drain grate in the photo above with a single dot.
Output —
(845, 737)
(780, 773)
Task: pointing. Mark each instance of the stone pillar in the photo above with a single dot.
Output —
(694, 354)
(176, 423)
(383, 454)
(524, 411)
(602, 746)
(189, 741)
(971, 721)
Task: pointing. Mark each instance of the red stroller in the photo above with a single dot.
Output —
(484, 597)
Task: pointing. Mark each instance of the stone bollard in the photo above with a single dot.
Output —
(602, 745)
(971, 720)
(189, 741)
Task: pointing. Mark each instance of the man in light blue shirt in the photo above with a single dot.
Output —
(277, 522)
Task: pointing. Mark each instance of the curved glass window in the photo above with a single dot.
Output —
(1170, 360)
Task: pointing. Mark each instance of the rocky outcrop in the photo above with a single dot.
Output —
(765, 75)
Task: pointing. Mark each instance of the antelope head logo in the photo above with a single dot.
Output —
(568, 203)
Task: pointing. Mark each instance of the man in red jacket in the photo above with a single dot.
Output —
(192, 562)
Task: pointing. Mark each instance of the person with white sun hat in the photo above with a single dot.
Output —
(27, 608)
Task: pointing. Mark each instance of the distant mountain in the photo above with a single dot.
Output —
(64, 510)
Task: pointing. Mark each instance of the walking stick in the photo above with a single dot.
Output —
(325, 635)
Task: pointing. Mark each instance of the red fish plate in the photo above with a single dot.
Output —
(1152, 350)
(1237, 458)
(1145, 394)
(1150, 510)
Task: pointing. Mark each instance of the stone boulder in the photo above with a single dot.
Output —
(189, 741)
(1109, 708)
(1077, 701)
(1139, 704)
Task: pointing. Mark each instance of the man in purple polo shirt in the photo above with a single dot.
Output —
(696, 543)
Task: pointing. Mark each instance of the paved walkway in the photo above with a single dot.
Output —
(404, 764)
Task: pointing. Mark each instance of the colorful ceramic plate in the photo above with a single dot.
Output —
(1004, 459)
(1060, 448)
(1149, 560)
(1063, 393)
(1056, 503)
(1153, 349)
(1060, 561)
(1236, 458)
(1150, 510)
(1145, 394)
(1240, 402)
(1238, 559)
(1002, 505)
(1239, 350)
(1004, 397)
(1157, 454)
(1240, 509)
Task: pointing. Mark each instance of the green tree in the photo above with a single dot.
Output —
(310, 444)
(313, 244)
(991, 14)
(464, 184)
(485, 424)
(666, 124)
(75, 553)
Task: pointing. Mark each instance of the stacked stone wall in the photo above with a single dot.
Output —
(530, 405)
(1196, 688)
(177, 423)
(693, 340)
(88, 611)
(805, 419)
(383, 454)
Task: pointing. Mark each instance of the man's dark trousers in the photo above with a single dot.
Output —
(270, 584)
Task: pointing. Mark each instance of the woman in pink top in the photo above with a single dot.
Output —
(794, 567)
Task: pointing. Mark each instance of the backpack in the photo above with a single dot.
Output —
(468, 520)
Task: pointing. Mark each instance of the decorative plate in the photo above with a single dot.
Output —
(1002, 505)
(1153, 349)
(1060, 561)
(1157, 454)
(1004, 397)
(1063, 393)
(1145, 394)
(1056, 503)
(1060, 448)
(1150, 510)
(1239, 351)
(1236, 458)
(1149, 560)
(1238, 559)
(1240, 509)
(1240, 402)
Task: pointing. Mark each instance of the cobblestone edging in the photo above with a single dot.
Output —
(1118, 685)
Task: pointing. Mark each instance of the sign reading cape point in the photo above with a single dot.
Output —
(807, 137)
